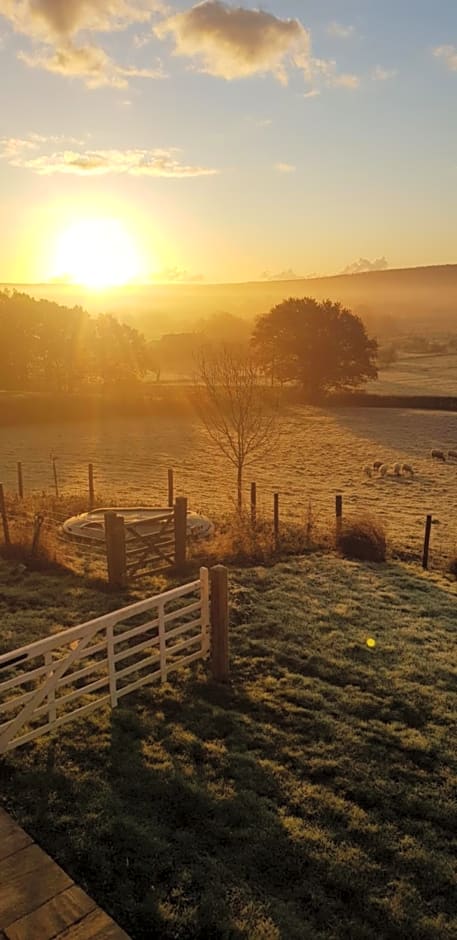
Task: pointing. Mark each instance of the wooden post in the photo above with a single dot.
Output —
(180, 514)
(56, 482)
(253, 504)
(115, 550)
(219, 624)
(91, 487)
(276, 519)
(38, 522)
(4, 517)
(428, 531)
(339, 513)
(20, 481)
(171, 489)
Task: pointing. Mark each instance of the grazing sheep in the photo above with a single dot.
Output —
(368, 471)
(452, 453)
(439, 455)
(396, 469)
(377, 465)
(407, 470)
(383, 470)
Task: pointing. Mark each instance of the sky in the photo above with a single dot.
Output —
(218, 141)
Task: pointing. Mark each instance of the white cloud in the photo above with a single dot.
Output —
(159, 163)
(363, 265)
(326, 69)
(56, 23)
(288, 275)
(314, 93)
(449, 54)
(340, 31)
(90, 63)
(232, 42)
(285, 167)
(379, 74)
(345, 80)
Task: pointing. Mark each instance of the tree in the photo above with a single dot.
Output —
(234, 408)
(322, 346)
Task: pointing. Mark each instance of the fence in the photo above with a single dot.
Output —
(50, 682)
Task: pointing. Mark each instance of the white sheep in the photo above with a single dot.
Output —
(407, 470)
(439, 455)
(368, 471)
(383, 470)
(377, 464)
(396, 469)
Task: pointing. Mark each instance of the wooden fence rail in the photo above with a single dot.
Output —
(66, 676)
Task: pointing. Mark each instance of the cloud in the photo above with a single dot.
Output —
(285, 167)
(312, 94)
(288, 275)
(159, 163)
(449, 54)
(90, 63)
(55, 24)
(177, 276)
(232, 42)
(363, 265)
(326, 69)
(340, 31)
(56, 19)
(379, 74)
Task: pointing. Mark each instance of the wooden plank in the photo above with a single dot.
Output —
(49, 920)
(12, 837)
(96, 926)
(23, 862)
(23, 894)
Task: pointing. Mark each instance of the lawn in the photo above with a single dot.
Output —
(313, 797)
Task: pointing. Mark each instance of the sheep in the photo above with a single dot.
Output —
(438, 455)
(368, 471)
(396, 469)
(407, 470)
(452, 453)
(377, 465)
(383, 470)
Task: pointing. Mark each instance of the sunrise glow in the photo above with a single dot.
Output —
(97, 253)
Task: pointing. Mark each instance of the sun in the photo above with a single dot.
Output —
(97, 253)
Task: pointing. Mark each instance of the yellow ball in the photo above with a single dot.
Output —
(371, 643)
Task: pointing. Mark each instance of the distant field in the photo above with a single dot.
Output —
(418, 375)
(319, 453)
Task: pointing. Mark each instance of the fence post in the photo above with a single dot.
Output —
(253, 504)
(180, 514)
(4, 515)
(171, 489)
(38, 522)
(115, 550)
(91, 487)
(220, 668)
(276, 519)
(20, 481)
(54, 468)
(339, 512)
(428, 531)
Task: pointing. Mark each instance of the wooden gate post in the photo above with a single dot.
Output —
(428, 532)
(4, 517)
(91, 487)
(253, 504)
(171, 489)
(20, 481)
(115, 550)
(180, 514)
(220, 668)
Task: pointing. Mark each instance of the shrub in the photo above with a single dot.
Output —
(363, 538)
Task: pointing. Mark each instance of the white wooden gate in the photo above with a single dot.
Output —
(68, 675)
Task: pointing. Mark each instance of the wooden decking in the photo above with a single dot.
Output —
(38, 901)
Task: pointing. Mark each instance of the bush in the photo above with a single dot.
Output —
(453, 566)
(363, 538)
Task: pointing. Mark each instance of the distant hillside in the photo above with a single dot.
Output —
(424, 297)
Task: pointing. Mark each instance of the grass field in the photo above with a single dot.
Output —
(418, 375)
(319, 453)
(313, 797)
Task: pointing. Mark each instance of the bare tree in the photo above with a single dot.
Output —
(235, 409)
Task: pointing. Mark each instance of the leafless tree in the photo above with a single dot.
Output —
(235, 409)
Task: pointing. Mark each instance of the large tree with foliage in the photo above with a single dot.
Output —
(321, 346)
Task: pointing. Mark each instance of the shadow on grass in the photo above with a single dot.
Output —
(311, 798)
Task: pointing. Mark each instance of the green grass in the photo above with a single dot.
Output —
(313, 797)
